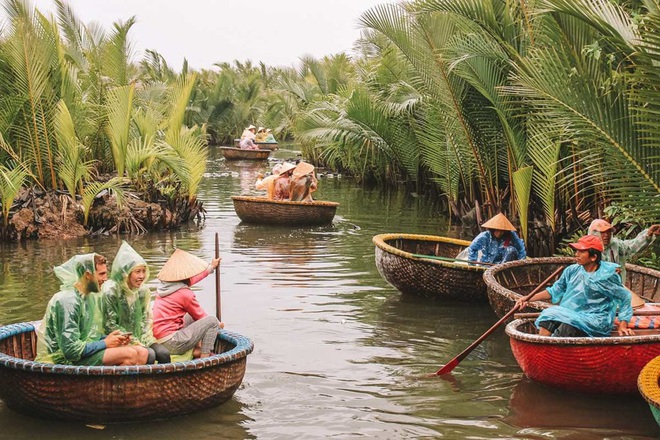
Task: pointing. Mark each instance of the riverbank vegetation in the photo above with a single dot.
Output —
(544, 109)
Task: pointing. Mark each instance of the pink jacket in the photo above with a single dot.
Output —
(173, 301)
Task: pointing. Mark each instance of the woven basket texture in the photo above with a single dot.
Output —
(239, 154)
(433, 279)
(593, 365)
(260, 210)
(510, 281)
(116, 394)
(648, 384)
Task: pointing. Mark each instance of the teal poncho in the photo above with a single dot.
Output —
(72, 319)
(126, 309)
(589, 300)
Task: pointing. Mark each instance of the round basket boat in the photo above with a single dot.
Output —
(230, 153)
(648, 384)
(261, 210)
(585, 364)
(400, 260)
(116, 394)
(507, 282)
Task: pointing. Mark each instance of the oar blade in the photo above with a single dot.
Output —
(448, 368)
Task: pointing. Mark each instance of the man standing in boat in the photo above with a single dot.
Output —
(498, 243)
(72, 329)
(588, 293)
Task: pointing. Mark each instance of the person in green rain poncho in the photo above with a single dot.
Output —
(71, 331)
(127, 302)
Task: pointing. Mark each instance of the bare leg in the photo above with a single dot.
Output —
(131, 355)
(544, 332)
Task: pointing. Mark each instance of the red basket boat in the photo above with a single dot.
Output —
(593, 365)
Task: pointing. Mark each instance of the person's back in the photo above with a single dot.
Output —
(247, 144)
(303, 183)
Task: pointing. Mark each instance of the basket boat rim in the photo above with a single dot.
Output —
(243, 347)
(490, 276)
(515, 334)
(380, 242)
(647, 382)
(266, 201)
(260, 150)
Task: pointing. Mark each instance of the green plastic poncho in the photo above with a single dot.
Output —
(619, 251)
(589, 300)
(128, 310)
(72, 319)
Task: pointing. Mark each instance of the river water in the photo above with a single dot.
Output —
(338, 352)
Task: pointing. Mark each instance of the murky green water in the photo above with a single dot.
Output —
(338, 352)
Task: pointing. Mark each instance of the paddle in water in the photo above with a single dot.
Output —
(218, 302)
(454, 362)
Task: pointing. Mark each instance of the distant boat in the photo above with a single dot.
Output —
(238, 154)
(262, 145)
(283, 212)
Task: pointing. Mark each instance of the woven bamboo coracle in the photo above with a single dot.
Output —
(260, 210)
(116, 394)
(272, 146)
(507, 282)
(648, 384)
(433, 279)
(230, 153)
(586, 364)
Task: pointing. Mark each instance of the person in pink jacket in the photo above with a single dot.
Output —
(180, 323)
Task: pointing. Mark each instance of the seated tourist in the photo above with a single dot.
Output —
(180, 323)
(269, 137)
(498, 243)
(247, 144)
(282, 185)
(589, 293)
(249, 133)
(268, 183)
(71, 331)
(127, 302)
(303, 183)
(261, 135)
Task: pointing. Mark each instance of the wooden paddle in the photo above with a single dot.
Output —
(452, 364)
(218, 301)
(433, 257)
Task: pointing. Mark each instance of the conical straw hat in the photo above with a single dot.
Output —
(499, 222)
(181, 266)
(303, 168)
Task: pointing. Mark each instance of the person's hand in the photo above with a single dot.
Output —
(653, 230)
(221, 324)
(215, 262)
(521, 304)
(618, 270)
(116, 339)
(623, 329)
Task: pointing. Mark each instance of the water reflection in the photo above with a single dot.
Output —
(535, 406)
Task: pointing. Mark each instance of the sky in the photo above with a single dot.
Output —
(277, 32)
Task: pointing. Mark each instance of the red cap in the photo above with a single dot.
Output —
(588, 242)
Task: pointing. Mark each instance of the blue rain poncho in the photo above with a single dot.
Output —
(128, 310)
(494, 250)
(619, 250)
(588, 300)
(72, 327)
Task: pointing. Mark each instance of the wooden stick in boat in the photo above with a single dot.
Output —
(218, 302)
(454, 362)
(433, 257)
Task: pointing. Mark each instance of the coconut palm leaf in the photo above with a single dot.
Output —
(11, 181)
(119, 108)
(73, 169)
(92, 189)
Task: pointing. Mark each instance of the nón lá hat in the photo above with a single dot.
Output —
(181, 266)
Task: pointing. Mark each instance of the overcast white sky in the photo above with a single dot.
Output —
(277, 32)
